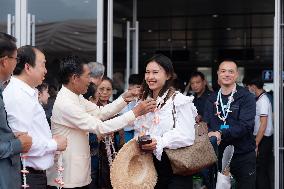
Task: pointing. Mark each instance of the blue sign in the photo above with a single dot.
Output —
(267, 75)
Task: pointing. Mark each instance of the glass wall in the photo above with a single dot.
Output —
(64, 27)
(7, 7)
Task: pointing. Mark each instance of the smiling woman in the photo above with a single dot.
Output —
(161, 125)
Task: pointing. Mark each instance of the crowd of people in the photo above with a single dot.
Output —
(68, 137)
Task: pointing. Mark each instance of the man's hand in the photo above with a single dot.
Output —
(61, 142)
(215, 134)
(131, 94)
(151, 146)
(25, 140)
(144, 107)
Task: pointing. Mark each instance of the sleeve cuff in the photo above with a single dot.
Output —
(17, 146)
(52, 146)
(159, 148)
(121, 100)
(129, 116)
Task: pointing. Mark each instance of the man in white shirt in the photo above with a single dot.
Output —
(263, 132)
(74, 117)
(25, 114)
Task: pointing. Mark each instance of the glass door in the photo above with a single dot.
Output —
(62, 28)
(7, 16)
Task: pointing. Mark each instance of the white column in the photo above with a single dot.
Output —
(100, 31)
(33, 30)
(18, 22)
(277, 66)
(110, 39)
(136, 49)
(127, 70)
(21, 22)
(29, 20)
(134, 39)
(9, 24)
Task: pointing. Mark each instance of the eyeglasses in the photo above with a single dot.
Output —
(16, 58)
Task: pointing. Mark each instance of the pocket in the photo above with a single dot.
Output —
(235, 111)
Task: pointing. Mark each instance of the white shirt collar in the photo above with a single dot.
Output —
(69, 93)
(23, 85)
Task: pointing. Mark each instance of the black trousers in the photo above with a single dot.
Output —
(37, 180)
(265, 164)
(243, 169)
(166, 178)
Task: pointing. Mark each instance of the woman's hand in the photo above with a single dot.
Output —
(151, 146)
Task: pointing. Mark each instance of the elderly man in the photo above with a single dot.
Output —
(230, 114)
(10, 146)
(74, 117)
(25, 114)
(96, 72)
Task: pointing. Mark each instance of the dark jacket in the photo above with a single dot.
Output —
(199, 102)
(240, 120)
(10, 148)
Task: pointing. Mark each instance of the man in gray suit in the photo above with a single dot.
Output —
(11, 145)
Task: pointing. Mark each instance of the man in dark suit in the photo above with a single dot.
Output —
(11, 145)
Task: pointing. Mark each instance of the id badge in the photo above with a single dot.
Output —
(224, 126)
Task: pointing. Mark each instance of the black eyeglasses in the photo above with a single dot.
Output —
(16, 58)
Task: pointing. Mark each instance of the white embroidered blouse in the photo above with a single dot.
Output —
(168, 137)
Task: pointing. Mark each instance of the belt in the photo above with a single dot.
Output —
(32, 170)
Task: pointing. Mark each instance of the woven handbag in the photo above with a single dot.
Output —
(191, 159)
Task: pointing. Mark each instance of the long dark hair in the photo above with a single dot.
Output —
(165, 63)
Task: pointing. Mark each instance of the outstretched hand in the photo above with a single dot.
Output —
(144, 107)
(131, 94)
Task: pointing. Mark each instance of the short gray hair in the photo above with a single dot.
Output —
(97, 69)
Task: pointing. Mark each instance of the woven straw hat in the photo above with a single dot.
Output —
(133, 170)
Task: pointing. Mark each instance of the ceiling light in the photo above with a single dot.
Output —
(228, 29)
(150, 31)
(215, 15)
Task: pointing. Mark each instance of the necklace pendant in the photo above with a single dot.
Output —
(156, 120)
(231, 99)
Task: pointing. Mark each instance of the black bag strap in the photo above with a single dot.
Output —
(174, 110)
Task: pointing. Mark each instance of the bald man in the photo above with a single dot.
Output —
(230, 114)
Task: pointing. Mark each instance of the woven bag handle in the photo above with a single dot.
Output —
(174, 110)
